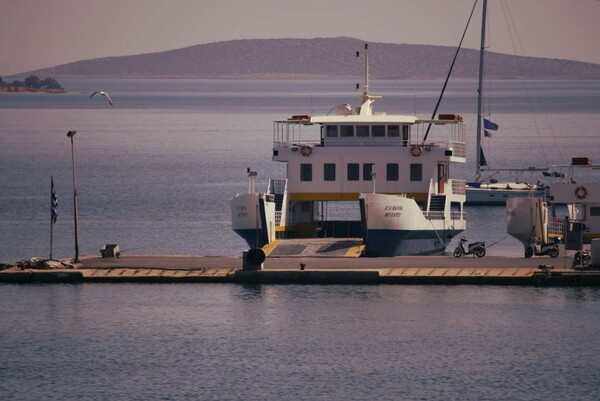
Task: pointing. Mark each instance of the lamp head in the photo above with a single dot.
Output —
(71, 134)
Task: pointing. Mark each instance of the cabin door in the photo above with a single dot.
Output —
(441, 177)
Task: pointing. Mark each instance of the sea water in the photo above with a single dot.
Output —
(155, 174)
(292, 342)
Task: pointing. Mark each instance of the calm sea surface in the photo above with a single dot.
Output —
(155, 174)
(288, 342)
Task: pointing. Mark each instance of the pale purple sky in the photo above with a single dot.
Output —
(44, 33)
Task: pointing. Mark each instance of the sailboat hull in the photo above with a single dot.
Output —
(499, 196)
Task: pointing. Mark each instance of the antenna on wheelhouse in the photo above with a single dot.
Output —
(366, 87)
(366, 100)
(365, 95)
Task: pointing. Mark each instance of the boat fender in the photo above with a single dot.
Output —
(306, 150)
(581, 192)
(416, 150)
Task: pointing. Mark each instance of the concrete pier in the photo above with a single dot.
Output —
(315, 270)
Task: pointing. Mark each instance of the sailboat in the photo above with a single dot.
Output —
(495, 192)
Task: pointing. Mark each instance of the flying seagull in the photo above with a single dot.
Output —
(103, 94)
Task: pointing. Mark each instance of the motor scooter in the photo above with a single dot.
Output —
(475, 248)
(582, 258)
(537, 248)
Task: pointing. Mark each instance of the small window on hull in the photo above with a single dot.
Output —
(306, 172)
(368, 171)
(329, 172)
(353, 171)
(392, 172)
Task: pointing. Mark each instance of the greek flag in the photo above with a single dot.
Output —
(54, 201)
(487, 124)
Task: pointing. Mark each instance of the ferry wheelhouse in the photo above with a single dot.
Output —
(394, 170)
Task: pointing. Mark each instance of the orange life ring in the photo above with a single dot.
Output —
(416, 150)
(306, 150)
(581, 192)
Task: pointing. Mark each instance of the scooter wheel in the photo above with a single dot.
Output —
(553, 253)
(528, 252)
(480, 252)
(457, 253)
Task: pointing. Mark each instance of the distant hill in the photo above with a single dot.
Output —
(317, 58)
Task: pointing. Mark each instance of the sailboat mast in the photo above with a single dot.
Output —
(366, 87)
(480, 95)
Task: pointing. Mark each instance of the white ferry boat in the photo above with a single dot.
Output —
(386, 166)
(574, 207)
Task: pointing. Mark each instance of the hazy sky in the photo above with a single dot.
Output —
(44, 33)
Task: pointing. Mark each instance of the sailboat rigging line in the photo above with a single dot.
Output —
(494, 243)
(510, 23)
(437, 234)
(449, 72)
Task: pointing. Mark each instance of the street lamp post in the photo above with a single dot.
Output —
(71, 134)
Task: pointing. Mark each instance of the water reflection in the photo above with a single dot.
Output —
(290, 342)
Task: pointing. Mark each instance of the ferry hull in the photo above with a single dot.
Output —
(253, 237)
(526, 218)
(253, 218)
(396, 226)
(384, 243)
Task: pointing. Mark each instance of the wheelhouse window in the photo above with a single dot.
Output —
(353, 171)
(331, 131)
(393, 130)
(305, 172)
(392, 172)
(405, 135)
(378, 130)
(346, 130)
(329, 172)
(368, 169)
(362, 131)
(416, 172)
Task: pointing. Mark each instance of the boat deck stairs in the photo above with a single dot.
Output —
(315, 247)
(438, 203)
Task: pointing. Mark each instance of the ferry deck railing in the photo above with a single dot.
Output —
(289, 134)
(277, 189)
(454, 187)
(556, 226)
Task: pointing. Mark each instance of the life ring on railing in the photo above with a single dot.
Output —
(581, 192)
(306, 150)
(416, 150)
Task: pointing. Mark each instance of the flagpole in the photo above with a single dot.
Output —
(51, 213)
(71, 134)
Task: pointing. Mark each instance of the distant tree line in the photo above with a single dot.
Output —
(32, 82)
